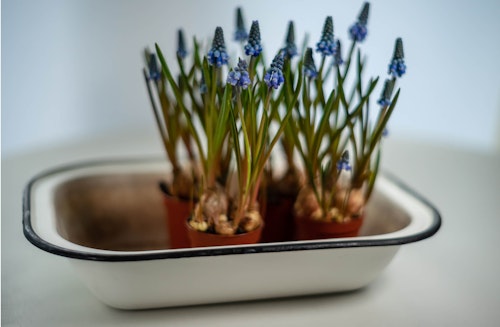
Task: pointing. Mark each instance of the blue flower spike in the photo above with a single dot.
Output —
(241, 34)
(343, 163)
(154, 72)
(397, 67)
(290, 47)
(326, 45)
(181, 44)
(385, 96)
(274, 76)
(337, 58)
(359, 30)
(309, 66)
(253, 47)
(239, 75)
(217, 56)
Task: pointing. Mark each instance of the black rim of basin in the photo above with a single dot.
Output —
(36, 240)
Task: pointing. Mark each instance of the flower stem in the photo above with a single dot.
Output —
(244, 180)
(252, 67)
(349, 57)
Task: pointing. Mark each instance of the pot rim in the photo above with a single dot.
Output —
(431, 226)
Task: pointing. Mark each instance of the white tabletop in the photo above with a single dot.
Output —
(450, 279)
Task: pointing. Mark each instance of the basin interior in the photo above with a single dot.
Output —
(125, 212)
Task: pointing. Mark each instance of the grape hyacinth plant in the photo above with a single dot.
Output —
(338, 143)
(235, 118)
(229, 119)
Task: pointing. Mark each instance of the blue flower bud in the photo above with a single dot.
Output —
(203, 85)
(309, 66)
(358, 30)
(343, 163)
(154, 72)
(385, 96)
(337, 58)
(290, 48)
(253, 47)
(217, 56)
(397, 66)
(241, 32)
(326, 45)
(274, 76)
(181, 44)
(239, 75)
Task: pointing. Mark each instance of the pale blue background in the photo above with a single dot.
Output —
(72, 69)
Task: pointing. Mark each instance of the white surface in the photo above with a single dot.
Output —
(72, 68)
(450, 279)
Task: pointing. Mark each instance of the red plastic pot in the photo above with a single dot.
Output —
(278, 216)
(177, 210)
(309, 229)
(202, 239)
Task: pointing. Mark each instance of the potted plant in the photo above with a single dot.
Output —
(236, 115)
(329, 126)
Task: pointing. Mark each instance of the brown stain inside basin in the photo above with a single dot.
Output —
(125, 212)
(112, 212)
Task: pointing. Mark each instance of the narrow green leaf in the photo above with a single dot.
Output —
(236, 146)
(323, 125)
(373, 175)
(377, 133)
(222, 119)
(178, 96)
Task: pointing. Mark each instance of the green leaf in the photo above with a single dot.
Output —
(221, 125)
(187, 84)
(169, 146)
(178, 96)
(236, 146)
(359, 82)
(359, 108)
(373, 175)
(286, 118)
(323, 125)
(377, 133)
(248, 151)
(349, 58)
